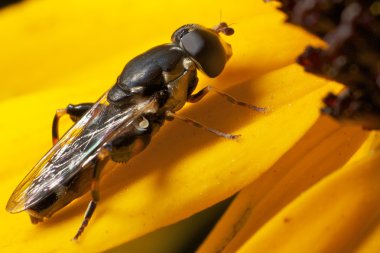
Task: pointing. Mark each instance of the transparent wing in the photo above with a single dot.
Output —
(73, 151)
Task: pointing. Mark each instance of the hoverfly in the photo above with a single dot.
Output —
(150, 89)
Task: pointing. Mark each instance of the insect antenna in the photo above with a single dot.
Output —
(223, 27)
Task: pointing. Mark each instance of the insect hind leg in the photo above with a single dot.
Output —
(74, 111)
(99, 163)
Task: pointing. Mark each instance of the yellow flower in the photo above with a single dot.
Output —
(56, 53)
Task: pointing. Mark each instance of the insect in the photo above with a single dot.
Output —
(150, 89)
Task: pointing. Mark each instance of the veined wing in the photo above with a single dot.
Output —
(74, 150)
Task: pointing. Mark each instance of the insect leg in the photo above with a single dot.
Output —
(74, 111)
(99, 164)
(171, 116)
(200, 94)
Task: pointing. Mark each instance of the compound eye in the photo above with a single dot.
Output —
(180, 32)
(207, 49)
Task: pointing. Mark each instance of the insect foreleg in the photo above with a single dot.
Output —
(200, 94)
(99, 164)
(74, 111)
(171, 116)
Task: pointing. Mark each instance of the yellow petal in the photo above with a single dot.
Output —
(323, 149)
(184, 170)
(184, 236)
(170, 180)
(338, 214)
(45, 42)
